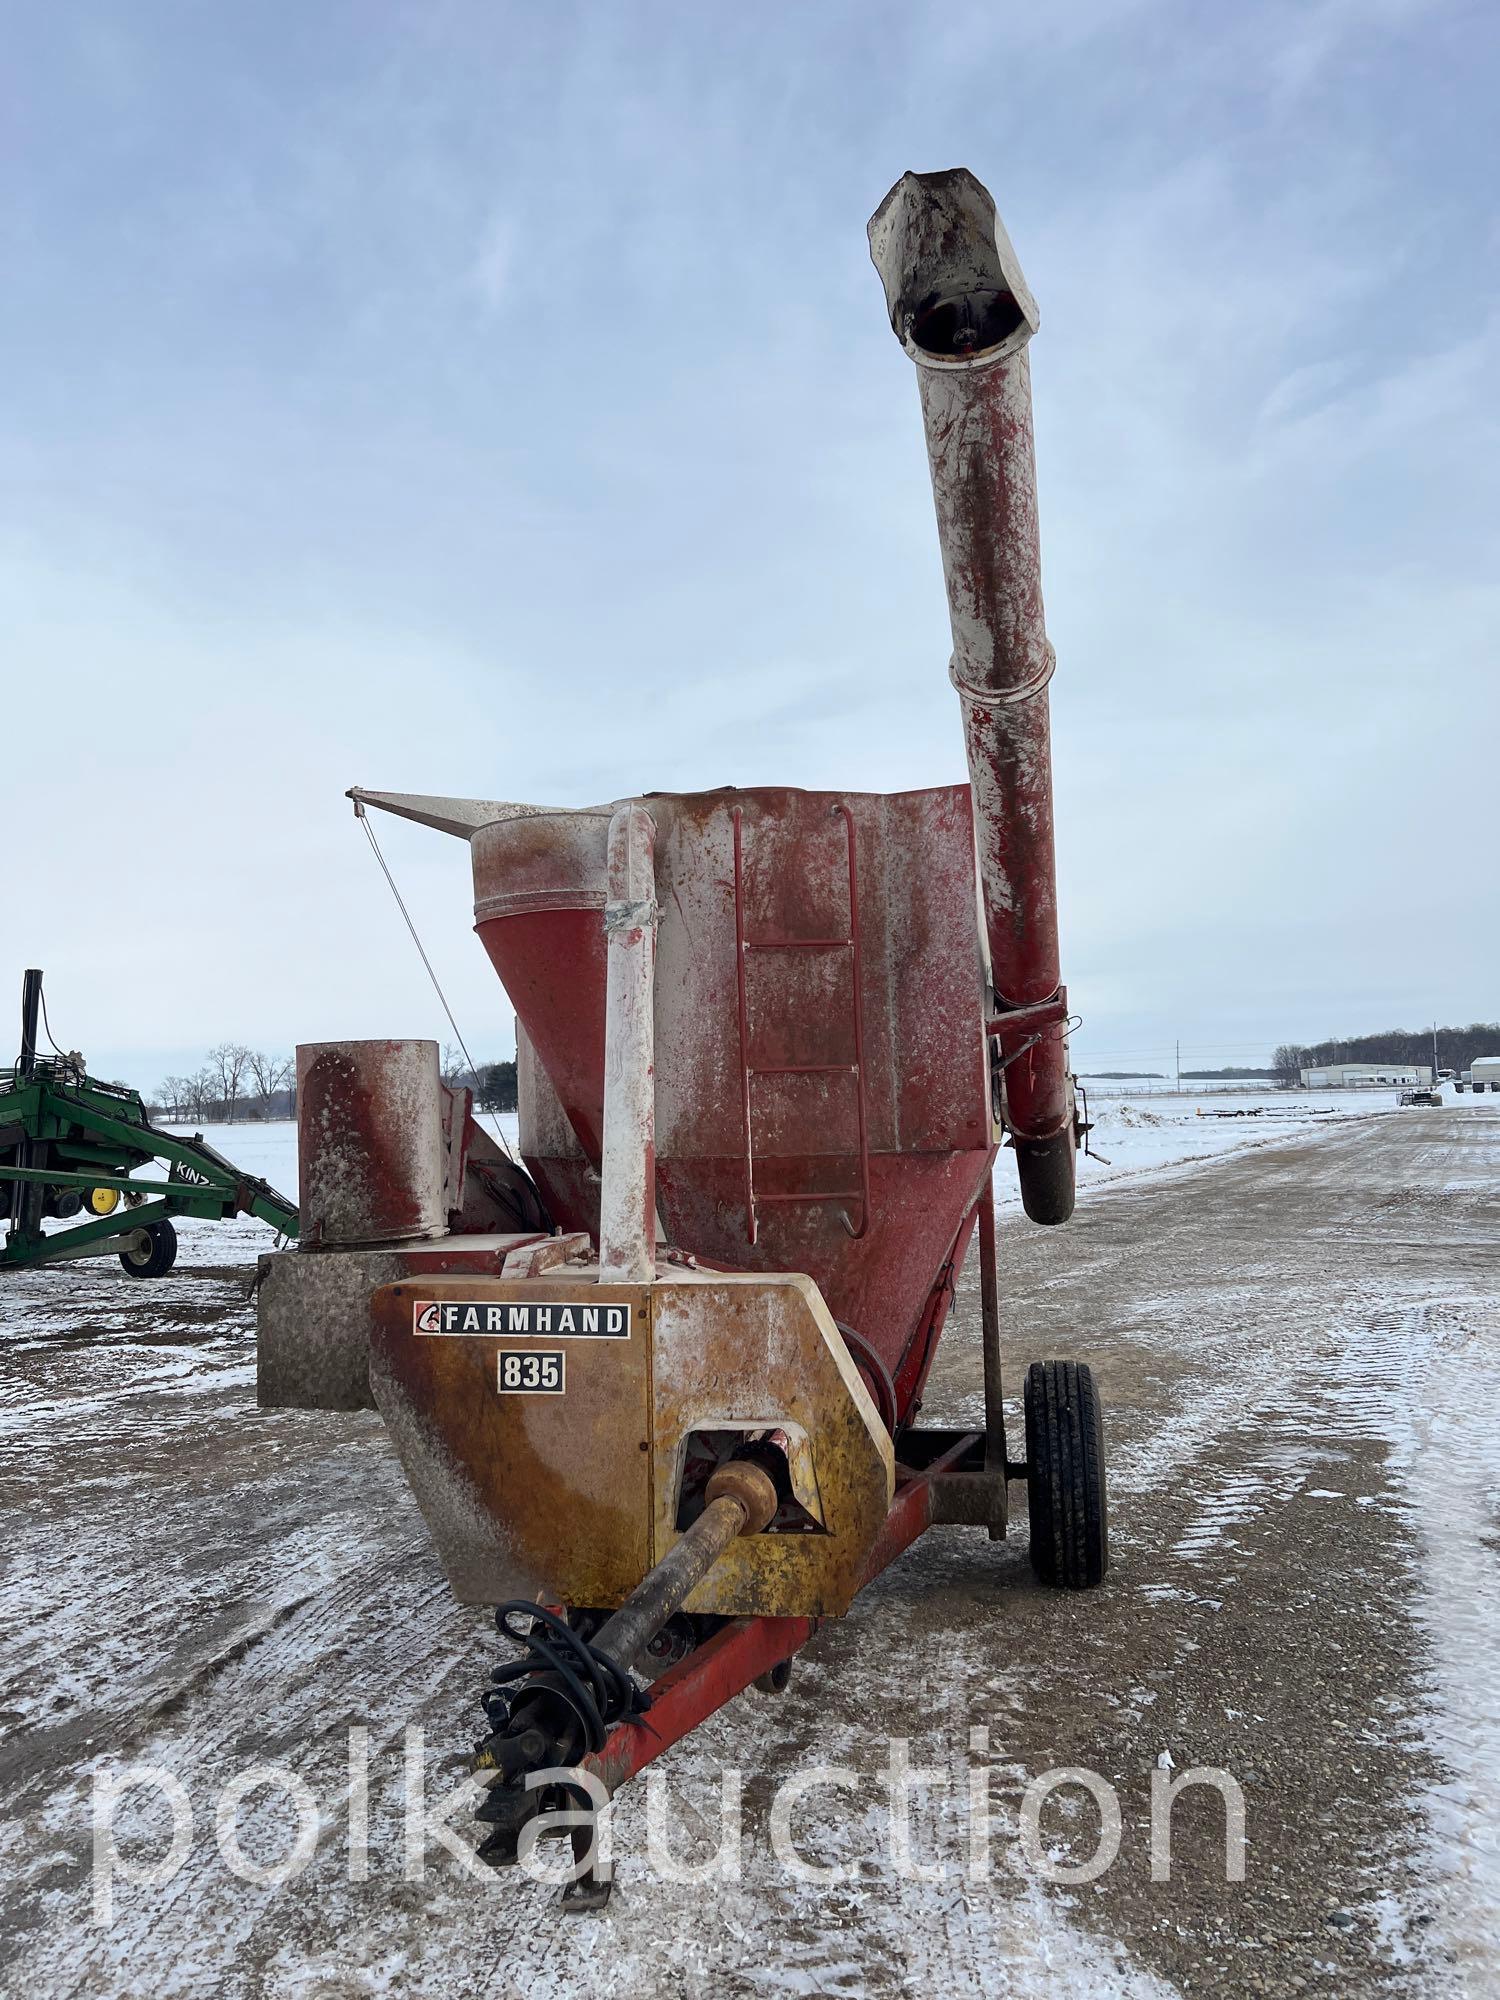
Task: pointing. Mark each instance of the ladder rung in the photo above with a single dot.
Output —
(799, 944)
(802, 1069)
(844, 1194)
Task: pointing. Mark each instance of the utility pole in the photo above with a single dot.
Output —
(1434, 1052)
(1179, 1069)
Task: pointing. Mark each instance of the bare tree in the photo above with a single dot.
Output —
(199, 1095)
(172, 1098)
(268, 1074)
(227, 1065)
(1288, 1061)
(454, 1068)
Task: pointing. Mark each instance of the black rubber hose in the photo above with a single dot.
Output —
(866, 1358)
(601, 1690)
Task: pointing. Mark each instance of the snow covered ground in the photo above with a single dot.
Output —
(1141, 1131)
(1299, 1343)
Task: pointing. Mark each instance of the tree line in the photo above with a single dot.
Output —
(234, 1082)
(493, 1083)
(1236, 1073)
(1456, 1048)
(238, 1082)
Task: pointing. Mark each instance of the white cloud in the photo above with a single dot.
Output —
(294, 494)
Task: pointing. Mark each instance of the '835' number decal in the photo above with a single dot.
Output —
(532, 1371)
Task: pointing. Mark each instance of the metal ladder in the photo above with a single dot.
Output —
(851, 943)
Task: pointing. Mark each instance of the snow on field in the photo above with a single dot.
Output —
(269, 1150)
(1135, 1133)
(1141, 1132)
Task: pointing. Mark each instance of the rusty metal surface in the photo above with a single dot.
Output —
(312, 1320)
(920, 1029)
(456, 1110)
(499, 1195)
(373, 1163)
(567, 1178)
(989, 1295)
(751, 1486)
(883, 1284)
(533, 1260)
(741, 1500)
(740, 1353)
(522, 1494)
(539, 896)
(575, 1495)
(746, 1648)
(313, 1314)
(962, 310)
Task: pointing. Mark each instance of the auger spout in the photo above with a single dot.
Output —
(962, 309)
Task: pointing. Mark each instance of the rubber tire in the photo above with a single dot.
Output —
(163, 1253)
(1065, 1484)
(1048, 1173)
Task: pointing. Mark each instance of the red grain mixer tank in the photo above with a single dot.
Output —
(656, 1383)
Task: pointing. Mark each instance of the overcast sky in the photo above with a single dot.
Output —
(498, 399)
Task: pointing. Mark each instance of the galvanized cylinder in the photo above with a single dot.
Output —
(627, 1196)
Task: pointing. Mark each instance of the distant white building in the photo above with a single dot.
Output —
(1360, 1076)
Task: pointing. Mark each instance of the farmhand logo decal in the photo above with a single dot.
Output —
(555, 1318)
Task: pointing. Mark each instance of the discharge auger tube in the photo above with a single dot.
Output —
(961, 308)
